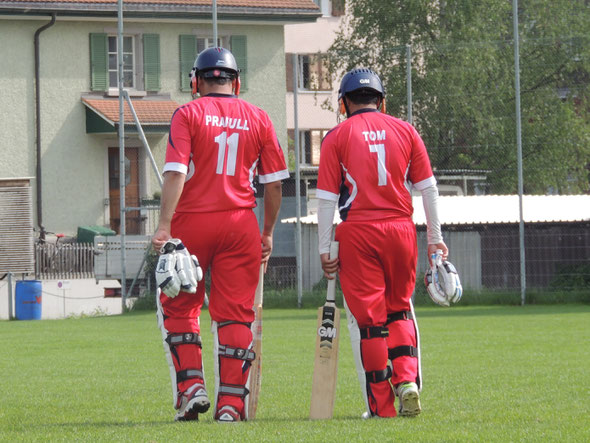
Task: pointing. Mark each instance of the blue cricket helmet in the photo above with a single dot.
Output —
(216, 62)
(360, 78)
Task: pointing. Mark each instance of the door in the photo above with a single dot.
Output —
(132, 218)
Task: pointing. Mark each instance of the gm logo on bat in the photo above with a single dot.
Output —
(327, 332)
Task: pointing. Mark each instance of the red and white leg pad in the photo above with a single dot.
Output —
(183, 354)
(403, 347)
(232, 343)
(380, 395)
(370, 357)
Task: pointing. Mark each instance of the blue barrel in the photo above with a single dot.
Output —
(28, 300)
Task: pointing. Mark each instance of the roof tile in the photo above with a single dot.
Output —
(280, 4)
(148, 111)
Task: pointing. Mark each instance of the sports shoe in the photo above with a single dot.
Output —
(191, 402)
(227, 414)
(409, 399)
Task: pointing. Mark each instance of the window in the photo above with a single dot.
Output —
(141, 62)
(207, 42)
(331, 7)
(191, 46)
(310, 141)
(313, 72)
(128, 62)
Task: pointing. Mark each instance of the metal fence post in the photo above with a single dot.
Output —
(409, 82)
(297, 187)
(121, 148)
(519, 150)
(10, 295)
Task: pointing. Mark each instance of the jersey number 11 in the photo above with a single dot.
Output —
(232, 152)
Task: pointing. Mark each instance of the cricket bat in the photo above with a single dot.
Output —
(255, 376)
(323, 391)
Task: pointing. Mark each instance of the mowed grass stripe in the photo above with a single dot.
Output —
(490, 374)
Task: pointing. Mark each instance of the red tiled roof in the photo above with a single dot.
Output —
(279, 4)
(148, 111)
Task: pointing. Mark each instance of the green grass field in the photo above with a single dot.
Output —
(490, 374)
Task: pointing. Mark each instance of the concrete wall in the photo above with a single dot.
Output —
(81, 297)
(464, 247)
(312, 38)
(75, 168)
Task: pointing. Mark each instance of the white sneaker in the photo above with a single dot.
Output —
(409, 399)
(227, 414)
(191, 402)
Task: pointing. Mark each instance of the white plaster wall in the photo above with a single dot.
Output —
(311, 115)
(314, 37)
(17, 99)
(84, 297)
(311, 38)
(74, 163)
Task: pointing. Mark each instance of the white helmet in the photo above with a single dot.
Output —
(442, 281)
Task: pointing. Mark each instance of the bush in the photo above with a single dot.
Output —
(571, 277)
(146, 303)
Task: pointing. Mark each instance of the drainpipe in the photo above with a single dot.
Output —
(38, 127)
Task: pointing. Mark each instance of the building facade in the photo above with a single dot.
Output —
(60, 93)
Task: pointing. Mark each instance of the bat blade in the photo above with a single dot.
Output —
(323, 391)
(255, 375)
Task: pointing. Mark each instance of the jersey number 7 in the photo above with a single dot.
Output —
(382, 171)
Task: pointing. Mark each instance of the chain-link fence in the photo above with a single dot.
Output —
(461, 98)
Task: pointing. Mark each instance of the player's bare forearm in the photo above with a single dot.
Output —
(171, 190)
(272, 204)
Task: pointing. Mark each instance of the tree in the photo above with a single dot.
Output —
(462, 64)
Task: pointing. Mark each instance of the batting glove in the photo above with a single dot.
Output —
(188, 269)
(166, 275)
(177, 269)
(442, 281)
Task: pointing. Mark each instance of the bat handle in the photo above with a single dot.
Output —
(261, 273)
(331, 293)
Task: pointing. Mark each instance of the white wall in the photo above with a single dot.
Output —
(84, 297)
(74, 163)
(311, 38)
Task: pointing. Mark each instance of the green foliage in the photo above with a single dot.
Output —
(572, 277)
(462, 60)
(145, 303)
(490, 374)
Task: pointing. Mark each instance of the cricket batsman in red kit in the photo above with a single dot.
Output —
(218, 143)
(368, 166)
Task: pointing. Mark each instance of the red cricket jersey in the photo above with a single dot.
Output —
(221, 143)
(369, 162)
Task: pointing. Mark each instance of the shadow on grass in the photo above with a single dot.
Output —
(288, 299)
(201, 422)
(109, 424)
(473, 311)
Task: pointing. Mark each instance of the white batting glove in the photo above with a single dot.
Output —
(188, 268)
(442, 281)
(166, 275)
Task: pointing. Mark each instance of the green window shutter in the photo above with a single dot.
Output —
(99, 79)
(188, 54)
(151, 62)
(239, 50)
